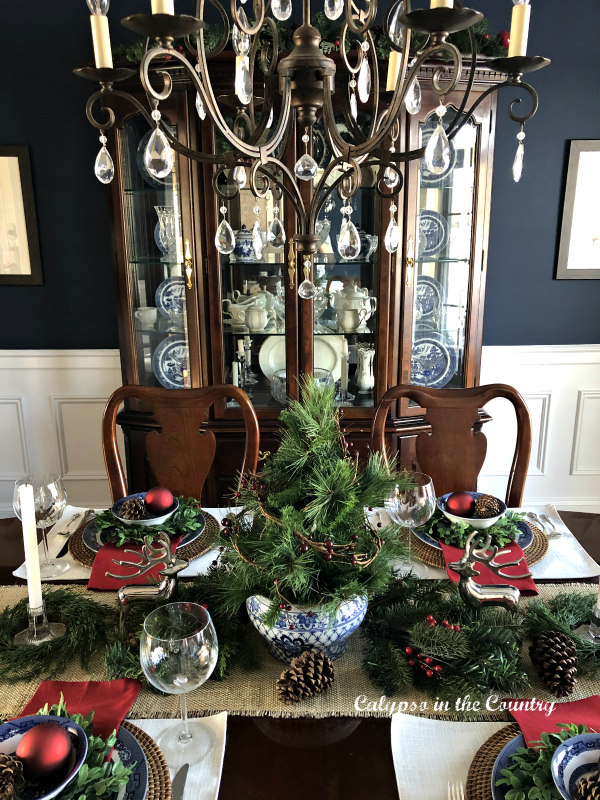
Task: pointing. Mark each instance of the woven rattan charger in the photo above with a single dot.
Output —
(435, 558)
(479, 779)
(159, 781)
(84, 556)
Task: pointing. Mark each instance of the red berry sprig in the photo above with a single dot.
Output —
(425, 663)
(433, 622)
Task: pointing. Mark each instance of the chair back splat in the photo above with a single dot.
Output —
(454, 450)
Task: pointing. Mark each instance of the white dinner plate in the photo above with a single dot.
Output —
(328, 355)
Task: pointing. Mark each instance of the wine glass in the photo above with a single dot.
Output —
(50, 500)
(178, 652)
(411, 508)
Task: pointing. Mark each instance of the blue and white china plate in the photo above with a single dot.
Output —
(170, 297)
(434, 233)
(504, 761)
(169, 362)
(11, 734)
(93, 539)
(433, 361)
(428, 298)
(573, 760)
(128, 750)
(429, 178)
(524, 540)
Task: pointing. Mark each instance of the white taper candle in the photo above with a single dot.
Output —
(30, 544)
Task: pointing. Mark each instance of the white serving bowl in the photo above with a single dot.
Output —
(475, 522)
(148, 520)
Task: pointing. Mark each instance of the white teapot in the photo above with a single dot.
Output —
(353, 297)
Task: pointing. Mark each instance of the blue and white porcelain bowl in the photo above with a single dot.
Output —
(312, 628)
(11, 734)
(573, 760)
(149, 520)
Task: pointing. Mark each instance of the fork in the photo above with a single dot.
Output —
(554, 534)
(456, 791)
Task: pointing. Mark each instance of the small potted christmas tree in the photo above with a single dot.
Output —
(301, 553)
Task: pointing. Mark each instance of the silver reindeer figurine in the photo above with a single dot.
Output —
(477, 595)
(150, 556)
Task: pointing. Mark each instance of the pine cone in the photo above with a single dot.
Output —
(588, 788)
(308, 674)
(133, 508)
(554, 656)
(487, 506)
(11, 776)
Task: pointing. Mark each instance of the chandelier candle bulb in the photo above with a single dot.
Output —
(32, 558)
(101, 40)
(162, 7)
(393, 70)
(519, 28)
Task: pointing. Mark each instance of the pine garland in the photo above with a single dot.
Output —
(301, 536)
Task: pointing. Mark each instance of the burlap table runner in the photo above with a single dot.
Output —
(252, 693)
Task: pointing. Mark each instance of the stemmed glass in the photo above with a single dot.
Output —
(411, 508)
(178, 652)
(50, 500)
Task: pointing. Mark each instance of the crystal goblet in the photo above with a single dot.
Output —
(178, 652)
(411, 508)
(50, 500)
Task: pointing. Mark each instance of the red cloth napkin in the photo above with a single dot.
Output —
(109, 700)
(486, 576)
(535, 721)
(104, 563)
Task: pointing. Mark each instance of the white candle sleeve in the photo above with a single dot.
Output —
(519, 30)
(30, 545)
(235, 373)
(162, 6)
(598, 601)
(101, 40)
(441, 4)
(393, 70)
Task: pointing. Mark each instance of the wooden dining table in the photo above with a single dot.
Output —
(303, 758)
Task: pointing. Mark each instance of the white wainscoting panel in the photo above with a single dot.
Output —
(51, 404)
(561, 386)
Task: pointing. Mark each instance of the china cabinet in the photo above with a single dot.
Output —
(190, 315)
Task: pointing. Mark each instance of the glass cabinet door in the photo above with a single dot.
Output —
(154, 254)
(443, 262)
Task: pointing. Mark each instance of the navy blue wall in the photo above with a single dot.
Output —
(43, 107)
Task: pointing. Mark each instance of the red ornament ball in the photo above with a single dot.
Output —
(159, 500)
(45, 751)
(504, 37)
(460, 503)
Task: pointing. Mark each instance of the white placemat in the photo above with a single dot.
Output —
(428, 753)
(203, 779)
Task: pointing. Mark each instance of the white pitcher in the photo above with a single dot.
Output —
(351, 319)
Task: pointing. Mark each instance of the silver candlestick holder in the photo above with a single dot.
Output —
(39, 630)
(591, 631)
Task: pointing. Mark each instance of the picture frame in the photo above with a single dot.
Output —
(579, 248)
(20, 261)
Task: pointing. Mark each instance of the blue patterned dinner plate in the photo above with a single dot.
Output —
(504, 761)
(170, 296)
(170, 362)
(434, 233)
(524, 540)
(93, 539)
(428, 297)
(128, 750)
(11, 734)
(433, 361)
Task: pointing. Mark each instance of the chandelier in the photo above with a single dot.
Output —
(302, 84)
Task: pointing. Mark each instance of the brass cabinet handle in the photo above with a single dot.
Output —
(292, 266)
(410, 261)
(188, 263)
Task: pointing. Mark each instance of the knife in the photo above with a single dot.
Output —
(178, 785)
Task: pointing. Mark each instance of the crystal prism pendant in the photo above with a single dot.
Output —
(282, 9)
(437, 152)
(158, 156)
(364, 81)
(306, 167)
(353, 105)
(239, 39)
(239, 176)
(276, 234)
(243, 84)
(224, 238)
(392, 236)
(323, 227)
(390, 177)
(257, 241)
(104, 169)
(333, 8)
(348, 240)
(412, 101)
(200, 110)
(307, 290)
(396, 29)
(517, 167)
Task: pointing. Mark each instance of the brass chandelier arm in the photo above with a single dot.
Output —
(353, 11)
(89, 111)
(226, 30)
(259, 14)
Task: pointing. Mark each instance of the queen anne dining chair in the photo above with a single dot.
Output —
(453, 450)
(181, 452)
